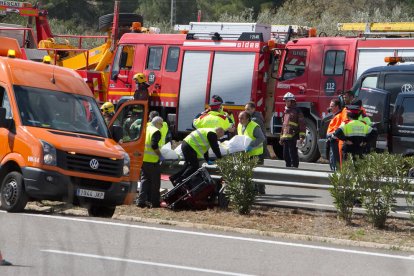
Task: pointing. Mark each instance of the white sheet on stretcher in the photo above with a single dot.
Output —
(236, 144)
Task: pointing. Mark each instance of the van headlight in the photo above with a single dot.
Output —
(127, 164)
(49, 154)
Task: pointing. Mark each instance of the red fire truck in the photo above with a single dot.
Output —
(318, 69)
(185, 70)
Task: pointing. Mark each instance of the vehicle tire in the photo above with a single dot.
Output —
(13, 195)
(125, 19)
(309, 152)
(101, 211)
(278, 149)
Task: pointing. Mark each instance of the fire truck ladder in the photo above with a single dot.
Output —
(378, 28)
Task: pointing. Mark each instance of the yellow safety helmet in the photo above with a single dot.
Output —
(46, 59)
(107, 108)
(140, 78)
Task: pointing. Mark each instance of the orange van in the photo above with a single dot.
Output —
(55, 145)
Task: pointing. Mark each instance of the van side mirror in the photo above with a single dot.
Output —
(117, 133)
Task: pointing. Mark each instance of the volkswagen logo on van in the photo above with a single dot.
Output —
(94, 164)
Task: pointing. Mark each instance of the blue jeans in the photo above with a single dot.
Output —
(334, 158)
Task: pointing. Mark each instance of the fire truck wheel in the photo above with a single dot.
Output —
(13, 195)
(125, 20)
(309, 151)
(101, 211)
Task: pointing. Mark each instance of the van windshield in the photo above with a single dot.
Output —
(58, 110)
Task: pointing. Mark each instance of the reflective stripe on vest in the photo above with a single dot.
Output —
(355, 128)
(212, 120)
(248, 131)
(149, 154)
(198, 141)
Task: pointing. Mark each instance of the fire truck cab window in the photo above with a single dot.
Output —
(406, 113)
(295, 64)
(172, 59)
(334, 63)
(154, 58)
(123, 59)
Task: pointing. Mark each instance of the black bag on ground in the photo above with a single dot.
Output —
(197, 191)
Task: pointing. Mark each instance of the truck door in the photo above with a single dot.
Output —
(293, 77)
(121, 75)
(377, 106)
(132, 117)
(402, 134)
(153, 70)
(334, 73)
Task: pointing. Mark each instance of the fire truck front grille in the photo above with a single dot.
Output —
(90, 164)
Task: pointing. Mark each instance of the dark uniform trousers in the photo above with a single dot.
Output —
(150, 184)
(191, 164)
(290, 152)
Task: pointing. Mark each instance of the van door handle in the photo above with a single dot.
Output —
(157, 86)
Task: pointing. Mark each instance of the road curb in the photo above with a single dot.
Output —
(299, 237)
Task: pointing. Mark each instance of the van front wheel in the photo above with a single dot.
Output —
(13, 196)
(101, 211)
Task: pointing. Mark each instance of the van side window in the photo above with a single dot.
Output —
(5, 103)
(295, 64)
(154, 58)
(399, 83)
(172, 59)
(334, 63)
(131, 119)
(405, 115)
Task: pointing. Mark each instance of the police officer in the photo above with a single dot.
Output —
(252, 130)
(195, 146)
(108, 111)
(151, 171)
(355, 133)
(141, 91)
(293, 128)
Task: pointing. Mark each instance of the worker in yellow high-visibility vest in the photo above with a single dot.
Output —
(149, 195)
(252, 130)
(214, 116)
(195, 146)
(165, 131)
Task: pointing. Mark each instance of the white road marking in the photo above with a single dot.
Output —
(143, 262)
(228, 237)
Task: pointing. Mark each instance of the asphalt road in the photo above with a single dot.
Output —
(52, 245)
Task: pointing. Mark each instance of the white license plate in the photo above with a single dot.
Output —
(90, 193)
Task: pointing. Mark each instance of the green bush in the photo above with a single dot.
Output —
(381, 177)
(344, 190)
(237, 172)
(407, 187)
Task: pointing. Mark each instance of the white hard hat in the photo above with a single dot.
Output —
(289, 97)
